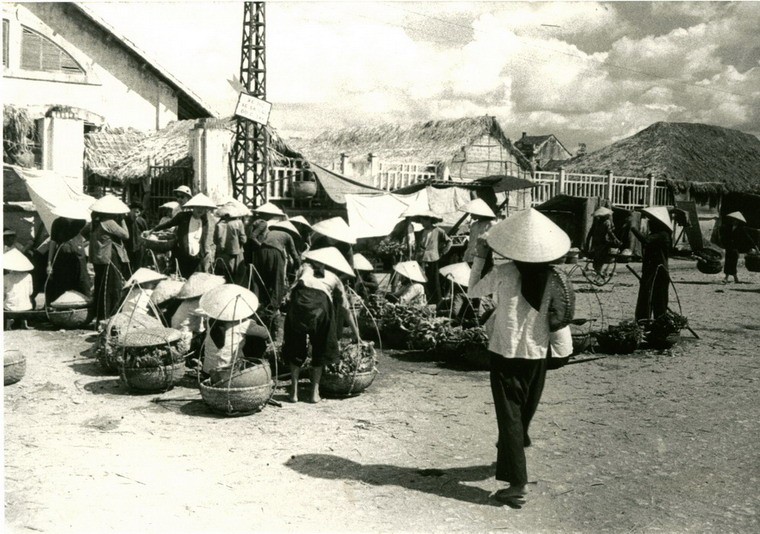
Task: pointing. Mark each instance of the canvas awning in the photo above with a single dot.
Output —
(337, 186)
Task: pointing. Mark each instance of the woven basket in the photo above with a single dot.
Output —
(14, 367)
(346, 386)
(159, 245)
(236, 401)
(73, 318)
(752, 262)
(152, 379)
(607, 346)
(709, 267)
(582, 342)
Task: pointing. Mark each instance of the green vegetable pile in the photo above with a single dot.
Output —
(428, 333)
(667, 324)
(153, 356)
(355, 358)
(623, 338)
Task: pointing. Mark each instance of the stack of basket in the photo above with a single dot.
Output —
(151, 359)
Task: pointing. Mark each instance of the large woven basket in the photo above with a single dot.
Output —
(153, 379)
(582, 342)
(14, 367)
(709, 267)
(236, 401)
(159, 245)
(752, 262)
(346, 386)
(72, 318)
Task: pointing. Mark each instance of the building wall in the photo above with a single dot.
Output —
(486, 156)
(115, 85)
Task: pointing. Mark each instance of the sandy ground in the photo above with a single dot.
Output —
(651, 442)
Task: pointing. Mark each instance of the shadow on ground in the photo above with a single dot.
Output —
(441, 482)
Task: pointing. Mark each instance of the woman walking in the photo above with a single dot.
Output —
(108, 234)
(655, 278)
(534, 301)
(731, 234)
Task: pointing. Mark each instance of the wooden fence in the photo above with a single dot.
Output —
(392, 176)
(622, 191)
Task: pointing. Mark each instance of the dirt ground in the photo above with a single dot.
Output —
(651, 442)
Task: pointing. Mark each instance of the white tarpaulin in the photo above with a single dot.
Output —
(49, 190)
(377, 215)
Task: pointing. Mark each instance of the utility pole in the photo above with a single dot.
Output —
(251, 165)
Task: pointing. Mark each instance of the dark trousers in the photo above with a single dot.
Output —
(653, 293)
(433, 286)
(516, 385)
(732, 259)
(187, 264)
(109, 280)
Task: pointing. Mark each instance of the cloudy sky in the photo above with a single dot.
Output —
(588, 72)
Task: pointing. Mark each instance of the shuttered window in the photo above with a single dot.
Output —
(6, 24)
(41, 54)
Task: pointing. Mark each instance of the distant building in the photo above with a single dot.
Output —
(390, 156)
(73, 73)
(541, 150)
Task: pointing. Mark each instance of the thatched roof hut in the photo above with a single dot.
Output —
(108, 147)
(172, 146)
(433, 142)
(702, 159)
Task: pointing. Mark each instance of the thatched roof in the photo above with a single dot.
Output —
(699, 157)
(432, 142)
(106, 148)
(172, 146)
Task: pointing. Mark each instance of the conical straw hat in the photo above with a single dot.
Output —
(170, 205)
(73, 210)
(412, 270)
(661, 214)
(229, 302)
(14, 260)
(601, 212)
(478, 207)
(233, 208)
(330, 257)
(335, 228)
(528, 236)
(417, 213)
(738, 216)
(200, 201)
(459, 272)
(286, 226)
(165, 290)
(198, 284)
(111, 205)
(361, 263)
(143, 275)
(300, 219)
(270, 209)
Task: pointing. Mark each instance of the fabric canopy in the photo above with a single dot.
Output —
(49, 190)
(337, 186)
(377, 215)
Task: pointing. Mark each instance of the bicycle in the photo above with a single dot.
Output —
(588, 272)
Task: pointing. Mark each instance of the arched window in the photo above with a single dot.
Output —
(39, 53)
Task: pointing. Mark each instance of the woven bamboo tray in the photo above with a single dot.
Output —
(236, 401)
(346, 386)
(153, 379)
(14, 367)
(71, 318)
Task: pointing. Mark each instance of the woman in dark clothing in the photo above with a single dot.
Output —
(229, 242)
(655, 278)
(269, 261)
(136, 224)
(601, 238)
(194, 250)
(108, 255)
(67, 260)
(731, 233)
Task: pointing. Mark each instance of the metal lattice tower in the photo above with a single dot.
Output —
(251, 165)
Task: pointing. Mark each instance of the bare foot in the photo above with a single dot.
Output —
(293, 397)
(315, 398)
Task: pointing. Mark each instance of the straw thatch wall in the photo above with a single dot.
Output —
(699, 158)
(106, 148)
(432, 142)
(172, 146)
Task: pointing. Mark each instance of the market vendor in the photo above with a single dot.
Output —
(601, 237)
(67, 256)
(228, 309)
(311, 316)
(528, 311)
(188, 318)
(732, 232)
(410, 290)
(229, 242)
(17, 282)
(432, 245)
(108, 234)
(652, 300)
(136, 224)
(194, 249)
(140, 285)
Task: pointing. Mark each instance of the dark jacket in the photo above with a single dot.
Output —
(106, 238)
(182, 222)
